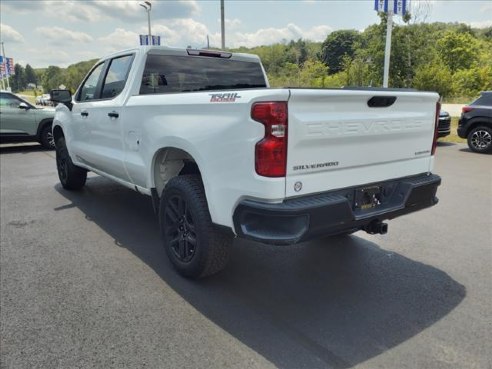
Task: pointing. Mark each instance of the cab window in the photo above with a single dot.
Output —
(88, 91)
(116, 76)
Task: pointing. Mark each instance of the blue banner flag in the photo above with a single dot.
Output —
(144, 39)
(10, 67)
(156, 40)
(400, 7)
(381, 5)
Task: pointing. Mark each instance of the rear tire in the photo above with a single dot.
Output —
(71, 176)
(480, 139)
(194, 245)
(46, 137)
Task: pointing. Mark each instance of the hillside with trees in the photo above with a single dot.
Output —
(452, 59)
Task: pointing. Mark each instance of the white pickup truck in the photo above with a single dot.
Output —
(224, 155)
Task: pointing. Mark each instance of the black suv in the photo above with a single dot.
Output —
(476, 123)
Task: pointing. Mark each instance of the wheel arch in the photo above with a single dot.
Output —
(169, 162)
(479, 121)
(57, 132)
(44, 122)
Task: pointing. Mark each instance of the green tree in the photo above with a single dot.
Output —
(31, 75)
(339, 44)
(434, 77)
(18, 80)
(52, 78)
(457, 50)
(313, 73)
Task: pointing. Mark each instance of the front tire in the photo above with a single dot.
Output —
(194, 245)
(46, 137)
(480, 139)
(71, 176)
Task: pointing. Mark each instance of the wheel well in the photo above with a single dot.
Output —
(57, 133)
(43, 124)
(171, 162)
(477, 124)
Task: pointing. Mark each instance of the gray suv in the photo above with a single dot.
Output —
(21, 121)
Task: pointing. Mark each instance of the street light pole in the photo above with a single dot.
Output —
(222, 23)
(148, 7)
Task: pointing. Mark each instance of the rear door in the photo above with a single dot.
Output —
(343, 138)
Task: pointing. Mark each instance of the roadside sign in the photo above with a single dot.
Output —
(400, 7)
(144, 40)
(381, 6)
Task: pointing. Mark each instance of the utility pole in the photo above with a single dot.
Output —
(222, 23)
(387, 50)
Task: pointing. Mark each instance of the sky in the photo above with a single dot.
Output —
(43, 33)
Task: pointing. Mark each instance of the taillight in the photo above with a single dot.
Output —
(271, 151)
(436, 133)
(466, 109)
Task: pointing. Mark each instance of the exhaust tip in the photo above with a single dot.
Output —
(376, 227)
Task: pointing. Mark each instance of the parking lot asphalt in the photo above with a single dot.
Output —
(85, 283)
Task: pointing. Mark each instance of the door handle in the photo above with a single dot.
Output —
(113, 114)
(84, 113)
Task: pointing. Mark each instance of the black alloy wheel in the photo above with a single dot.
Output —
(180, 229)
(195, 246)
(480, 139)
(71, 176)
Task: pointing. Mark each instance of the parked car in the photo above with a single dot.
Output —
(444, 125)
(475, 123)
(45, 100)
(21, 121)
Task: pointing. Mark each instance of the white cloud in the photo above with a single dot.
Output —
(47, 56)
(480, 24)
(486, 8)
(9, 34)
(268, 36)
(63, 35)
(231, 24)
(98, 10)
(120, 39)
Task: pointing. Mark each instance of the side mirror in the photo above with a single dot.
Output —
(61, 96)
(24, 106)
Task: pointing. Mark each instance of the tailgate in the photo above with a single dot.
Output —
(337, 140)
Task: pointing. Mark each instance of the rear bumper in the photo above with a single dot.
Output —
(303, 218)
(462, 128)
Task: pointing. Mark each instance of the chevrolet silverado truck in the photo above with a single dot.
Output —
(223, 155)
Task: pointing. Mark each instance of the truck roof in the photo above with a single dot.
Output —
(185, 52)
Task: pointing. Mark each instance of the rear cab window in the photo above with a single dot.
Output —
(174, 74)
(483, 100)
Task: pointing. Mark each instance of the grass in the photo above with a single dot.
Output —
(30, 95)
(453, 137)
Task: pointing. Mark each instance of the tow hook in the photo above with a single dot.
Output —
(376, 227)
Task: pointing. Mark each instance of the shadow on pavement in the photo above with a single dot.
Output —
(25, 148)
(466, 149)
(444, 144)
(330, 303)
